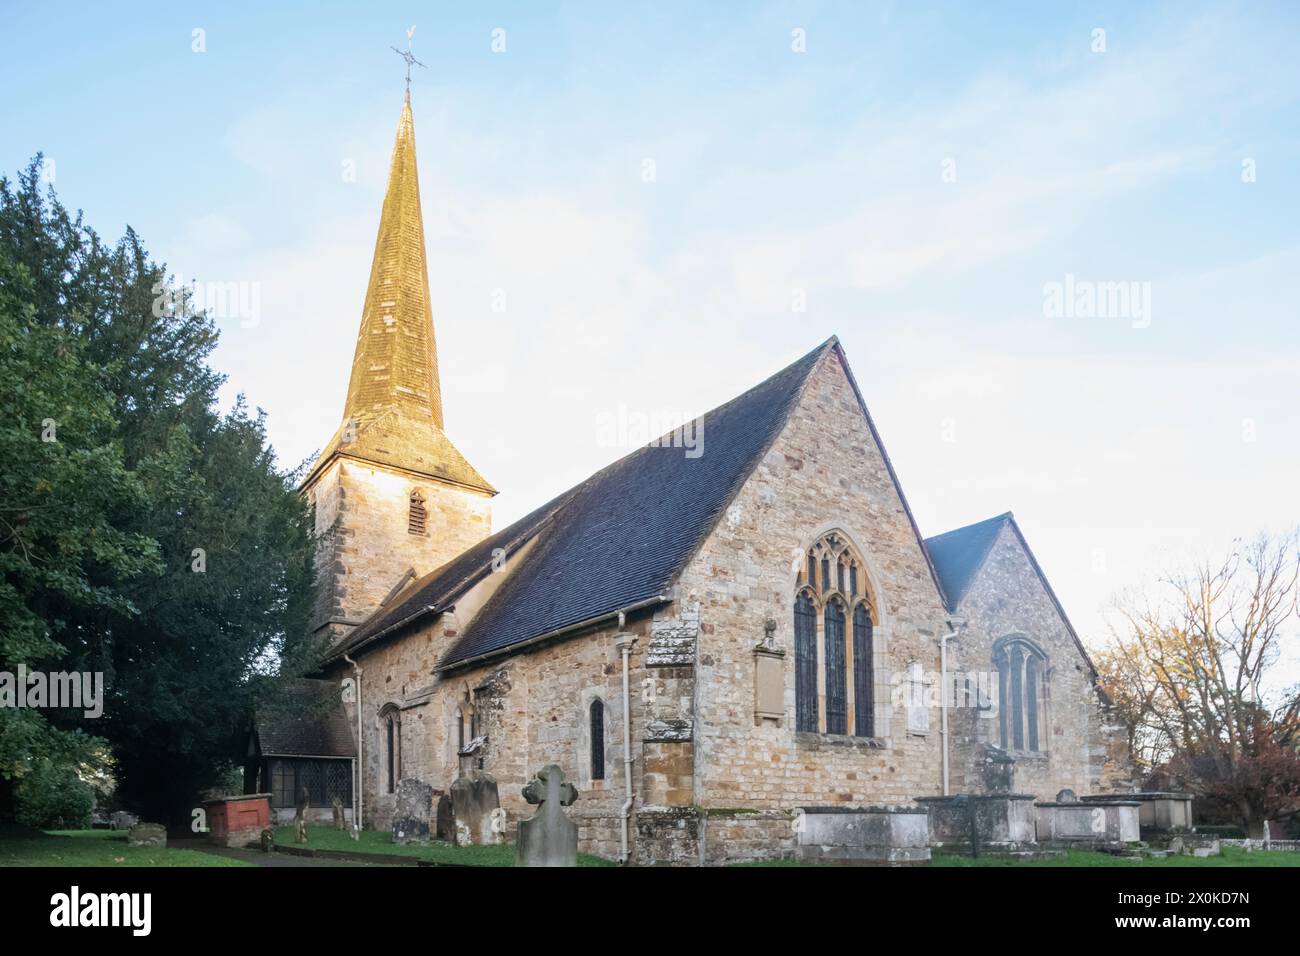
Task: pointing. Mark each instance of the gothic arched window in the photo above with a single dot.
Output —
(1022, 678)
(837, 696)
(833, 582)
(392, 728)
(805, 663)
(597, 719)
(863, 672)
(416, 516)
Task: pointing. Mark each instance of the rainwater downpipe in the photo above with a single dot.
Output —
(955, 625)
(624, 642)
(358, 798)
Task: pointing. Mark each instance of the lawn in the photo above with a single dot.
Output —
(97, 848)
(381, 842)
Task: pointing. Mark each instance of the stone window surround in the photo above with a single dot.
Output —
(390, 712)
(613, 738)
(1001, 647)
(460, 715)
(869, 582)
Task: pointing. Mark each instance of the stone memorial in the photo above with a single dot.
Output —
(147, 834)
(414, 811)
(550, 838)
(445, 826)
(473, 799)
(300, 816)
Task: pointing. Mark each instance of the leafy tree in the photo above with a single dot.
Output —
(1190, 675)
(191, 632)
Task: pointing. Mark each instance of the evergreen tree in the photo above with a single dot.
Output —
(212, 593)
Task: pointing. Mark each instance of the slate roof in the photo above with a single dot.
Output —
(618, 539)
(958, 555)
(310, 722)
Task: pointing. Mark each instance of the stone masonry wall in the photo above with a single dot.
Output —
(361, 515)
(1077, 744)
(533, 709)
(823, 472)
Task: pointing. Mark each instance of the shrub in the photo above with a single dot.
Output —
(54, 797)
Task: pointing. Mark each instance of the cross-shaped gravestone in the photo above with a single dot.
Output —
(550, 838)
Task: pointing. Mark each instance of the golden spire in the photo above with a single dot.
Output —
(395, 365)
(393, 413)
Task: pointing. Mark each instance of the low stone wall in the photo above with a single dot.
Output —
(1285, 846)
(999, 821)
(736, 836)
(696, 836)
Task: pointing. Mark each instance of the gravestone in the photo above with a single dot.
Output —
(999, 772)
(549, 838)
(473, 800)
(300, 816)
(414, 811)
(1066, 796)
(147, 834)
(445, 828)
(340, 820)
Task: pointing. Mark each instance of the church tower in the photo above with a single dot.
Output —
(393, 496)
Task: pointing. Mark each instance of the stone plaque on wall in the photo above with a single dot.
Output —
(769, 683)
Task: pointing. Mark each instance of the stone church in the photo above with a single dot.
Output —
(715, 648)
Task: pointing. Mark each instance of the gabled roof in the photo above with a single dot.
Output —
(617, 540)
(309, 722)
(958, 556)
(622, 536)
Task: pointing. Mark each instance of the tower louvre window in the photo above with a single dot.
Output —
(417, 516)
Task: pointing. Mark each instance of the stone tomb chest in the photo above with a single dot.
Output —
(1157, 811)
(888, 835)
(1003, 821)
(1070, 820)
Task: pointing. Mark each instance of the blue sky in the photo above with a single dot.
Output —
(917, 176)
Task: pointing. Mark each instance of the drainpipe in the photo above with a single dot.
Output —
(955, 625)
(358, 798)
(624, 641)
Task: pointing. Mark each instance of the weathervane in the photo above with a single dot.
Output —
(408, 57)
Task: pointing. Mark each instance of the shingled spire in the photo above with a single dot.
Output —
(396, 361)
(393, 413)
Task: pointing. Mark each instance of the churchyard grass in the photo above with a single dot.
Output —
(97, 848)
(380, 842)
